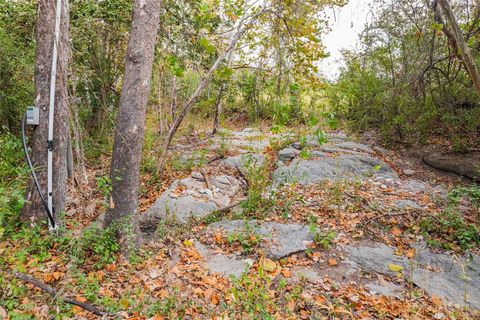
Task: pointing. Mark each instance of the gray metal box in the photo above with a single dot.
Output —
(33, 115)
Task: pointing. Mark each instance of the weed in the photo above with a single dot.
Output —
(449, 229)
(258, 178)
(248, 238)
(321, 238)
(104, 185)
(252, 296)
(99, 245)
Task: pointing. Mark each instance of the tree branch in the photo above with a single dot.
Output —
(53, 293)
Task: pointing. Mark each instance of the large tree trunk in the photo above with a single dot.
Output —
(129, 134)
(459, 42)
(33, 209)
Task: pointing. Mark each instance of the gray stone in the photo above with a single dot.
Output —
(405, 204)
(334, 149)
(376, 258)
(413, 186)
(309, 274)
(451, 278)
(467, 165)
(255, 145)
(387, 288)
(225, 265)
(279, 240)
(409, 172)
(341, 167)
(190, 197)
(455, 278)
(354, 146)
(241, 161)
(288, 154)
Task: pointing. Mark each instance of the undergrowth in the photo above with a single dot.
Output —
(451, 229)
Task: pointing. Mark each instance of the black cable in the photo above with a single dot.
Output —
(34, 176)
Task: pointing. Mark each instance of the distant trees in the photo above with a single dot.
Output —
(414, 78)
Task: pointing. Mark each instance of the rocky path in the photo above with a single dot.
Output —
(344, 218)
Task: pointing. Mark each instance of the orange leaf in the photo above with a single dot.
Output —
(437, 301)
(286, 273)
(214, 299)
(410, 253)
(332, 262)
(291, 305)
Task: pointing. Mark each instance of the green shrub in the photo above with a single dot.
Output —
(13, 178)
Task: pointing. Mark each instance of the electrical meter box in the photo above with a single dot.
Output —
(33, 116)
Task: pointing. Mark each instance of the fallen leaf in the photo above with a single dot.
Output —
(332, 262)
(269, 265)
(214, 299)
(396, 232)
(124, 303)
(410, 253)
(286, 273)
(188, 243)
(291, 305)
(395, 268)
(437, 301)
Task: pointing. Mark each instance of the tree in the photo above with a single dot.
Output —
(242, 27)
(457, 40)
(129, 132)
(33, 209)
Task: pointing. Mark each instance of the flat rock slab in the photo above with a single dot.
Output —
(451, 278)
(341, 167)
(467, 165)
(243, 161)
(279, 240)
(191, 197)
(248, 138)
(347, 146)
(225, 265)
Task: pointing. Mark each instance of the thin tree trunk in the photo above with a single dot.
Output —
(129, 133)
(241, 29)
(462, 47)
(159, 103)
(218, 108)
(33, 209)
(173, 98)
(79, 151)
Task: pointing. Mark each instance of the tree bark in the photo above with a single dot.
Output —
(129, 133)
(33, 210)
(461, 45)
(218, 109)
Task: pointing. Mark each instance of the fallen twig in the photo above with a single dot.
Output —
(242, 176)
(205, 177)
(53, 293)
(388, 214)
(215, 159)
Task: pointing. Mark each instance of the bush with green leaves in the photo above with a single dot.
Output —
(100, 245)
(450, 229)
(13, 176)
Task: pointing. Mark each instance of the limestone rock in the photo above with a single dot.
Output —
(467, 165)
(280, 240)
(341, 167)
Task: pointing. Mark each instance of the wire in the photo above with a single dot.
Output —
(34, 176)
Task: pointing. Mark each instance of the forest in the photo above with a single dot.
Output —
(192, 159)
